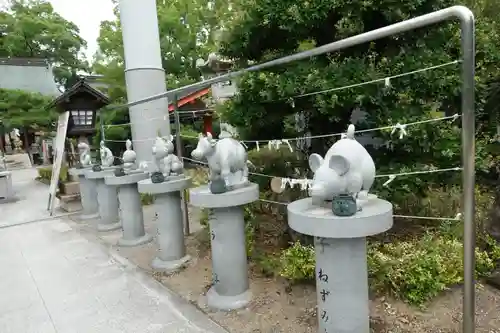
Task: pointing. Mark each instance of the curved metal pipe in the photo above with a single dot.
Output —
(466, 18)
(462, 13)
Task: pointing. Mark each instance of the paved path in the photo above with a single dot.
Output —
(53, 280)
(33, 198)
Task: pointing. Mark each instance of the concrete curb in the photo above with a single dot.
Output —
(196, 318)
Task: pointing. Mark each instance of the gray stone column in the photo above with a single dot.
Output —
(230, 289)
(88, 194)
(172, 250)
(108, 201)
(144, 74)
(130, 209)
(341, 269)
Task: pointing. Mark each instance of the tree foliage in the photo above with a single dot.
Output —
(188, 31)
(33, 29)
(268, 29)
(20, 109)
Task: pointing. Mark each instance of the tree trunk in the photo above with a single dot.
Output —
(11, 143)
(27, 144)
(2, 141)
(494, 218)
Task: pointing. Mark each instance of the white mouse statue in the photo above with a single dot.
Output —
(107, 158)
(84, 151)
(227, 161)
(159, 151)
(129, 156)
(347, 168)
(172, 164)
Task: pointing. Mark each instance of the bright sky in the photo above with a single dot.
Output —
(87, 15)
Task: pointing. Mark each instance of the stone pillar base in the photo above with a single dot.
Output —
(230, 289)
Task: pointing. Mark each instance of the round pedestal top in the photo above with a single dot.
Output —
(125, 180)
(89, 174)
(309, 219)
(79, 172)
(202, 197)
(174, 185)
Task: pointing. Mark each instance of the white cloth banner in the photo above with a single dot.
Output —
(62, 127)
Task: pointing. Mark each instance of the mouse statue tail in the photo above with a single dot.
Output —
(350, 131)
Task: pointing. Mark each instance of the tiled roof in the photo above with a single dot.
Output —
(80, 86)
(33, 75)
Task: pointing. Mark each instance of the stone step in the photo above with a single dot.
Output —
(69, 203)
(70, 188)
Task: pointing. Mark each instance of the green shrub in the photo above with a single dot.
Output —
(147, 199)
(419, 270)
(281, 163)
(46, 174)
(199, 176)
(189, 140)
(414, 270)
(249, 226)
(204, 217)
(297, 262)
(249, 238)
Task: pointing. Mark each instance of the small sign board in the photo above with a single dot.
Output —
(276, 185)
(62, 127)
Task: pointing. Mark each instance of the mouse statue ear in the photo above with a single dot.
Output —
(315, 161)
(339, 164)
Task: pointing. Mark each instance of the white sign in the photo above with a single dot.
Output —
(62, 127)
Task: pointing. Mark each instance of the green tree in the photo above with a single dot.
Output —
(188, 31)
(20, 109)
(270, 29)
(33, 29)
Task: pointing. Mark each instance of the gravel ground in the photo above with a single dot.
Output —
(279, 307)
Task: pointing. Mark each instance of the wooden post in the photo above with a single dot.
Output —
(207, 123)
(2, 140)
(179, 154)
(27, 144)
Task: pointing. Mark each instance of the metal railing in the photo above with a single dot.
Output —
(466, 18)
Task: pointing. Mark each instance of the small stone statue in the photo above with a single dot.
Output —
(107, 158)
(84, 150)
(172, 164)
(129, 157)
(119, 172)
(227, 161)
(344, 176)
(2, 161)
(159, 153)
(167, 164)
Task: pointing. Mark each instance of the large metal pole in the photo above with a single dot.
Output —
(468, 118)
(178, 142)
(468, 156)
(144, 74)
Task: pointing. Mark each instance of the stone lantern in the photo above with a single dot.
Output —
(83, 102)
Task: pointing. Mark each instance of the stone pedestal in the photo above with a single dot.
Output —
(69, 203)
(131, 217)
(88, 194)
(108, 201)
(230, 289)
(172, 250)
(341, 268)
(6, 191)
